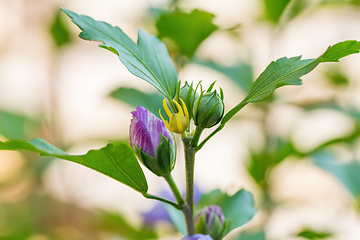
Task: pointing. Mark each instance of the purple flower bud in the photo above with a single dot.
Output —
(152, 142)
(211, 221)
(198, 237)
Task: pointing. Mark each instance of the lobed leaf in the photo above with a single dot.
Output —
(116, 160)
(287, 71)
(148, 59)
(340, 50)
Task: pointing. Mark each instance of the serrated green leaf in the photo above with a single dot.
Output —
(187, 30)
(238, 209)
(148, 59)
(287, 71)
(116, 160)
(284, 71)
(134, 98)
(340, 50)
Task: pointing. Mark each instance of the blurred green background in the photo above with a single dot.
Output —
(297, 152)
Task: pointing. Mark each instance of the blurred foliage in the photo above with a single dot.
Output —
(312, 235)
(274, 9)
(134, 98)
(180, 27)
(347, 173)
(240, 73)
(17, 126)
(252, 235)
(117, 224)
(59, 30)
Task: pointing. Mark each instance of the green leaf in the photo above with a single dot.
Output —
(250, 235)
(348, 174)
(177, 218)
(16, 126)
(241, 73)
(116, 160)
(274, 9)
(284, 71)
(59, 31)
(187, 30)
(238, 209)
(134, 98)
(340, 50)
(148, 59)
(119, 224)
(275, 152)
(313, 235)
(287, 71)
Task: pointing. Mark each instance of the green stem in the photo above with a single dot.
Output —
(221, 126)
(188, 208)
(196, 137)
(226, 118)
(174, 189)
(149, 196)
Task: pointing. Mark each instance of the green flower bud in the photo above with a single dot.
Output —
(210, 221)
(208, 110)
(189, 96)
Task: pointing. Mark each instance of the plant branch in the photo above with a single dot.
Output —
(169, 179)
(188, 208)
(226, 118)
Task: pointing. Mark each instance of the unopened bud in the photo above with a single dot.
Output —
(189, 96)
(208, 110)
(211, 221)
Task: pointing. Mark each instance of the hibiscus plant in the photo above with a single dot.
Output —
(190, 109)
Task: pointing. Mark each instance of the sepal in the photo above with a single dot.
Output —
(164, 163)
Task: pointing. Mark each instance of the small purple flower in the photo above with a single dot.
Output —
(152, 142)
(198, 237)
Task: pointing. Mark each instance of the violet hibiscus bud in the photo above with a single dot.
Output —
(211, 221)
(198, 237)
(152, 142)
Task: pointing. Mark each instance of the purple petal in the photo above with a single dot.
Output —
(145, 129)
(158, 213)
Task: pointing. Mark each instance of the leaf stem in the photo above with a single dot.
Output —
(169, 179)
(149, 196)
(226, 118)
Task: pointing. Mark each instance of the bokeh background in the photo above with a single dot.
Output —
(296, 152)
